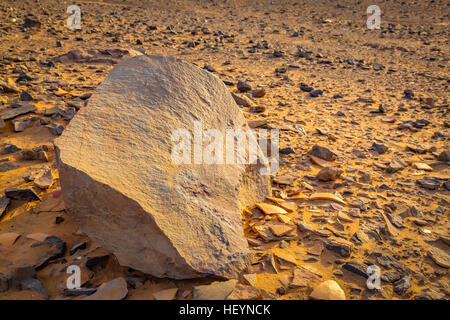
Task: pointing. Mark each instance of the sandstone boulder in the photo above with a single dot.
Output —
(122, 188)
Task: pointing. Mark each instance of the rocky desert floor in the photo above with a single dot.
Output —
(363, 117)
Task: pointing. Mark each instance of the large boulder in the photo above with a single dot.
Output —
(122, 188)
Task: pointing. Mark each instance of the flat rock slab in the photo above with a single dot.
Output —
(322, 153)
(429, 183)
(440, 257)
(4, 203)
(22, 194)
(357, 267)
(328, 290)
(302, 277)
(122, 188)
(44, 179)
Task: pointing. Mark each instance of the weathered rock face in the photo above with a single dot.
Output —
(122, 188)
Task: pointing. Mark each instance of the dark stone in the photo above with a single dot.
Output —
(391, 276)
(415, 212)
(357, 268)
(389, 262)
(86, 96)
(11, 113)
(342, 248)
(340, 185)
(25, 96)
(10, 148)
(16, 277)
(355, 290)
(55, 129)
(322, 153)
(277, 53)
(402, 285)
(382, 109)
(31, 22)
(444, 156)
(409, 94)
(4, 283)
(23, 77)
(60, 261)
(416, 148)
(429, 183)
(413, 125)
(287, 150)
(34, 285)
(421, 123)
(259, 93)
(396, 220)
(37, 153)
(329, 174)
(23, 194)
(380, 148)
(257, 109)
(78, 246)
(52, 242)
(447, 185)
(59, 220)
(135, 281)
(306, 88)
(244, 86)
(8, 166)
(396, 165)
(281, 290)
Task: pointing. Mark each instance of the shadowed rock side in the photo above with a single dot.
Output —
(122, 188)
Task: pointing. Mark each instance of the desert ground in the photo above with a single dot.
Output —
(374, 100)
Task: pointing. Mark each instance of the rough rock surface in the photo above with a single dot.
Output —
(122, 188)
(214, 291)
(112, 56)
